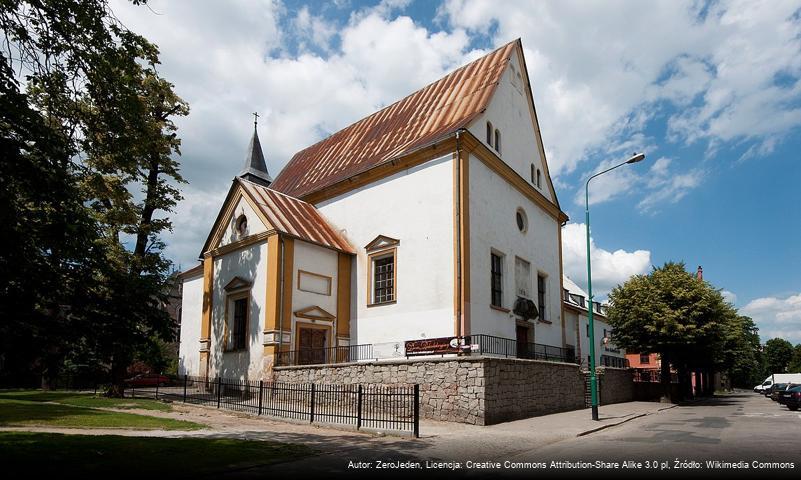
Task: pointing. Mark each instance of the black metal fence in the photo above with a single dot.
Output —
(509, 347)
(652, 375)
(376, 407)
(326, 356)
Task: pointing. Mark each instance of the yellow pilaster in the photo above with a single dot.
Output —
(205, 326)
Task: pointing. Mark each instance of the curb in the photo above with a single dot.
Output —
(609, 425)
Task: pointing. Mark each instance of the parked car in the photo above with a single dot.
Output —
(793, 400)
(147, 380)
(775, 389)
(785, 393)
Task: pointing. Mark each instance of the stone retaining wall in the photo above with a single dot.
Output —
(475, 390)
(617, 385)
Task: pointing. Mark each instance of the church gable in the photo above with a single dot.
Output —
(239, 218)
(509, 127)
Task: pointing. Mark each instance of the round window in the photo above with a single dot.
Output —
(522, 221)
(242, 225)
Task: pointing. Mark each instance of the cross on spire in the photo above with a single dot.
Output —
(255, 119)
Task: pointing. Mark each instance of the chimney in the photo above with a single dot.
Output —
(700, 273)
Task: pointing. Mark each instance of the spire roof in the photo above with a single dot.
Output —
(255, 168)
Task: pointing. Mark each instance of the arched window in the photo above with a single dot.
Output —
(497, 140)
(539, 179)
(489, 134)
(533, 176)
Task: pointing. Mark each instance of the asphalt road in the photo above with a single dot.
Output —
(741, 428)
(749, 434)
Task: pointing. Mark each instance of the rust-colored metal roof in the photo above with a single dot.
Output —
(295, 217)
(426, 115)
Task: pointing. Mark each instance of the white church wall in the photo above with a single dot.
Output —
(493, 206)
(255, 225)
(250, 264)
(508, 111)
(191, 318)
(414, 206)
(320, 261)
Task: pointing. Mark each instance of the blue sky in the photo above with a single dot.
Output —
(711, 92)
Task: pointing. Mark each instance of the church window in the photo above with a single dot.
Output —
(496, 283)
(541, 296)
(522, 220)
(498, 141)
(242, 225)
(489, 134)
(539, 179)
(382, 267)
(237, 321)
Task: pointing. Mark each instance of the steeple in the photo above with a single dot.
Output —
(255, 168)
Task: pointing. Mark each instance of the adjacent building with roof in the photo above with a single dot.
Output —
(433, 217)
(576, 305)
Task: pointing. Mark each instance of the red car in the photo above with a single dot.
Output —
(148, 380)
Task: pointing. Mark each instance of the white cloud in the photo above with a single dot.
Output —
(659, 185)
(609, 269)
(776, 317)
(230, 59)
(730, 297)
(601, 71)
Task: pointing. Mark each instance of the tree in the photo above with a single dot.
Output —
(94, 86)
(671, 313)
(742, 356)
(778, 353)
(795, 361)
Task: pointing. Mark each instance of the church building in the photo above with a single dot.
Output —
(434, 217)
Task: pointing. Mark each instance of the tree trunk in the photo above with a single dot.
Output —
(119, 370)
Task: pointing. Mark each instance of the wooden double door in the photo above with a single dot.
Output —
(312, 345)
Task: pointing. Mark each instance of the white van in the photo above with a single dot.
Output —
(778, 378)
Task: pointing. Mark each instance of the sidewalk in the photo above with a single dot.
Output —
(460, 441)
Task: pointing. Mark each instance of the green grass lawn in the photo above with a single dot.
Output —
(84, 400)
(73, 410)
(112, 454)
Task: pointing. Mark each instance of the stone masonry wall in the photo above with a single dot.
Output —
(617, 385)
(475, 390)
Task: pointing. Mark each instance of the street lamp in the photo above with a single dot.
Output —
(637, 157)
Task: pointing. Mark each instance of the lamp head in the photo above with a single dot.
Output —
(637, 157)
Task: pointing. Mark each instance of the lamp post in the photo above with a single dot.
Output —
(637, 157)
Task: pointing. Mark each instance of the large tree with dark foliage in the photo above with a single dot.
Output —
(86, 122)
(684, 319)
(778, 354)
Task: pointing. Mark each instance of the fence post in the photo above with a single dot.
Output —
(311, 411)
(416, 410)
(219, 390)
(359, 408)
(158, 381)
(186, 378)
(261, 388)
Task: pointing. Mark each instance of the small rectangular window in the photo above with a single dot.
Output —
(645, 358)
(496, 270)
(539, 179)
(239, 324)
(384, 279)
(541, 297)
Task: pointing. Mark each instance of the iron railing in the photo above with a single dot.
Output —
(652, 375)
(511, 348)
(326, 356)
(376, 407)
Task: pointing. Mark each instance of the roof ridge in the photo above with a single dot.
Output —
(432, 111)
(275, 191)
(382, 109)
